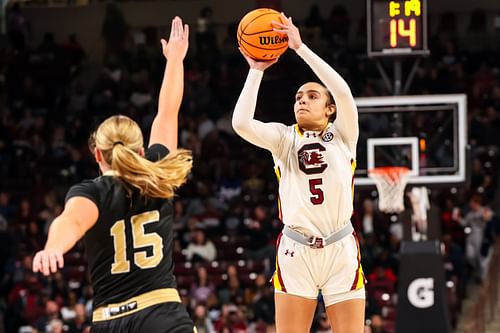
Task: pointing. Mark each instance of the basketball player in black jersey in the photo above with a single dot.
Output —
(125, 216)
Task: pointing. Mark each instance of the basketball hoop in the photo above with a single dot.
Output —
(391, 182)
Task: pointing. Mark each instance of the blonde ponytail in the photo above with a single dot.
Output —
(119, 138)
(154, 179)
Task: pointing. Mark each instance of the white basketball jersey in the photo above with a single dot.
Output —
(315, 174)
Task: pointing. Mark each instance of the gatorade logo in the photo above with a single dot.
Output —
(421, 293)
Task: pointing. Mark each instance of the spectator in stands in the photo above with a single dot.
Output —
(17, 27)
(476, 36)
(205, 206)
(202, 287)
(206, 38)
(371, 221)
(80, 323)
(372, 308)
(262, 304)
(86, 299)
(451, 223)
(314, 20)
(192, 224)
(322, 323)
(200, 249)
(74, 52)
(25, 214)
(202, 322)
(24, 301)
(58, 287)
(23, 268)
(6, 246)
(337, 26)
(491, 231)
(232, 290)
(51, 313)
(34, 237)
(6, 208)
(254, 183)
(232, 320)
(213, 307)
(454, 263)
(55, 326)
(230, 183)
(68, 311)
(376, 325)
(262, 236)
(475, 221)
(114, 30)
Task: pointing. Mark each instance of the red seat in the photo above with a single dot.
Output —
(184, 268)
(178, 257)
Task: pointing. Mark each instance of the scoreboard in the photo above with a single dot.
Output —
(397, 27)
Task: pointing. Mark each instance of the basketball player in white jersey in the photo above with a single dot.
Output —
(317, 251)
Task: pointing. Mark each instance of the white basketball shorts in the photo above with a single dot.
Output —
(335, 270)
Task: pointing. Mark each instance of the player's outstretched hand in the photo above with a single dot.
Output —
(288, 28)
(178, 42)
(48, 261)
(256, 64)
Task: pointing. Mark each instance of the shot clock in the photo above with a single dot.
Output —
(397, 27)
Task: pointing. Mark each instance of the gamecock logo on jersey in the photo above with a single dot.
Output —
(311, 158)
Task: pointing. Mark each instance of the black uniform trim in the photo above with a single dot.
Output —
(122, 262)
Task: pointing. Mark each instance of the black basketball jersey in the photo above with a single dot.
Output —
(129, 249)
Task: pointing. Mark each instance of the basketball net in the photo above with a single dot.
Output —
(391, 182)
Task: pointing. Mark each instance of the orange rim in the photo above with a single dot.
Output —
(389, 172)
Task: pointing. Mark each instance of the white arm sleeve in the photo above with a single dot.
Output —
(264, 135)
(346, 121)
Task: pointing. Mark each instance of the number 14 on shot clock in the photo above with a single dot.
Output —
(397, 27)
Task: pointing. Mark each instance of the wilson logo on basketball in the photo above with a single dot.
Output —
(270, 40)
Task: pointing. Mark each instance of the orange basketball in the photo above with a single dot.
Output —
(256, 36)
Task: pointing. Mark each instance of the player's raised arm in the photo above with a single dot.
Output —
(347, 115)
(264, 135)
(165, 125)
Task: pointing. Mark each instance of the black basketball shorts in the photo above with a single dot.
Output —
(170, 317)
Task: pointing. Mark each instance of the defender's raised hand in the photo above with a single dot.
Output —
(288, 28)
(178, 42)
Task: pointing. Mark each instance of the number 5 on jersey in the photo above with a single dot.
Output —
(140, 239)
(317, 197)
